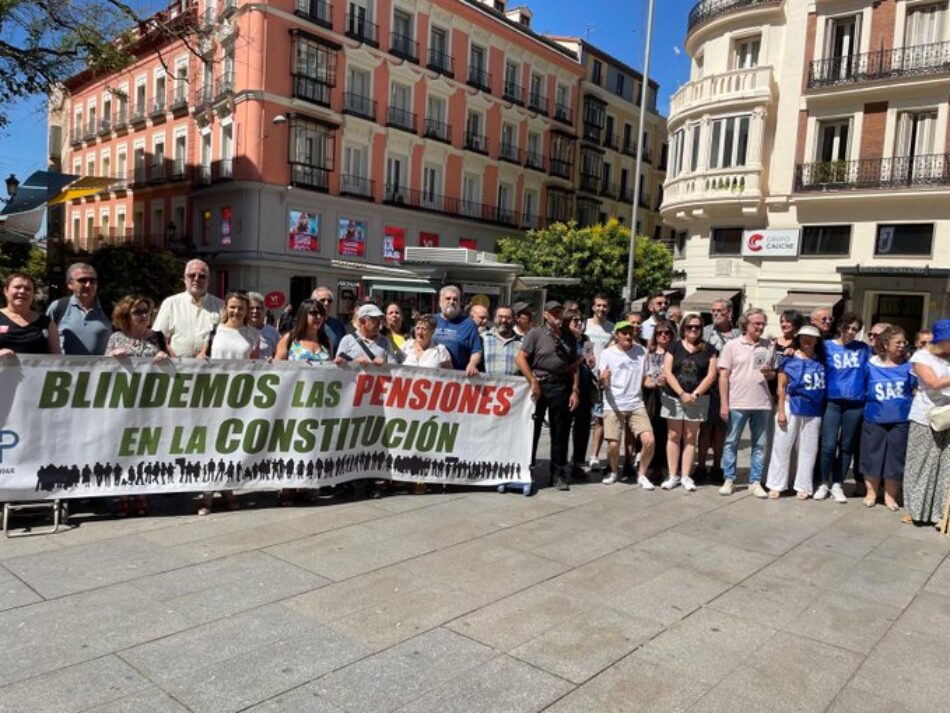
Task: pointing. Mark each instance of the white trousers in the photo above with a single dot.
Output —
(805, 432)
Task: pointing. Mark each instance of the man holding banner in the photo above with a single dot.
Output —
(187, 318)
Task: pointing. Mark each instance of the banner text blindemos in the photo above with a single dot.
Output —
(83, 427)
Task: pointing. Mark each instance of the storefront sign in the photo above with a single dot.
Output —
(274, 300)
(352, 238)
(468, 243)
(394, 242)
(304, 231)
(226, 225)
(770, 243)
(136, 427)
(428, 240)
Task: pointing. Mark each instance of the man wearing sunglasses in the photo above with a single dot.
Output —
(187, 318)
(83, 323)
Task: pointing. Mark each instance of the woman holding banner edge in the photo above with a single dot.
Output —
(23, 331)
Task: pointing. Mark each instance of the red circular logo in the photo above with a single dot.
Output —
(274, 300)
(755, 242)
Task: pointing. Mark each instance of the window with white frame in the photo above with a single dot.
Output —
(180, 152)
(93, 126)
(529, 207)
(106, 111)
(121, 163)
(104, 223)
(77, 227)
(729, 142)
(160, 92)
(432, 177)
(512, 88)
(745, 53)
(679, 146)
(181, 81)
(139, 108)
(91, 165)
(834, 138)
(397, 172)
(120, 221)
(471, 194)
(138, 221)
(694, 142)
(105, 161)
(157, 227)
(924, 24)
(355, 160)
(506, 197)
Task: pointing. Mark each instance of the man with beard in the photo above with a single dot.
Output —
(548, 360)
(366, 345)
(479, 315)
(187, 318)
(457, 333)
(501, 344)
(657, 307)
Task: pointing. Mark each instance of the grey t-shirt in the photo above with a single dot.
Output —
(352, 346)
(550, 356)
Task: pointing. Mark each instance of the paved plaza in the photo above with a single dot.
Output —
(598, 599)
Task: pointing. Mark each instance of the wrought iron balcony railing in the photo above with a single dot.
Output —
(479, 78)
(401, 119)
(612, 141)
(534, 159)
(222, 169)
(179, 97)
(317, 11)
(564, 114)
(538, 102)
(560, 167)
(438, 130)
(362, 30)
(356, 186)
(509, 152)
(441, 62)
(914, 61)
(138, 113)
(874, 173)
(224, 85)
(158, 106)
(513, 92)
(593, 132)
(105, 125)
(590, 182)
(305, 175)
(706, 10)
(476, 142)
(179, 170)
(608, 189)
(403, 46)
(311, 90)
(359, 105)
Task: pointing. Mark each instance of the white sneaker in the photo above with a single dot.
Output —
(609, 479)
(821, 493)
(594, 463)
(688, 484)
(758, 491)
(727, 487)
(671, 482)
(837, 493)
(644, 482)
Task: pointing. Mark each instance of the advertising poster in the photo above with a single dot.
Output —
(304, 231)
(352, 238)
(428, 240)
(468, 244)
(226, 225)
(394, 242)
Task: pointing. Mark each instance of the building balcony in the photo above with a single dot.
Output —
(138, 176)
(204, 94)
(358, 105)
(90, 131)
(479, 78)
(608, 190)
(179, 170)
(487, 213)
(305, 175)
(441, 62)
(736, 86)
(625, 195)
(537, 102)
(534, 159)
(395, 194)
(560, 167)
(401, 119)
(222, 170)
(179, 100)
(202, 176)
(362, 30)
(476, 142)
(644, 201)
(629, 147)
(105, 126)
(612, 141)
(158, 107)
(438, 130)
(404, 47)
(311, 90)
(647, 154)
(513, 92)
(120, 121)
(564, 114)
(224, 87)
(157, 172)
(593, 133)
(510, 153)
(139, 115)
(358, 186)
(529, 221)
(316, 11)
(590, 183)
(706, 10)
(699, 191)
(75, 136)
(901, 63)
(896, 173)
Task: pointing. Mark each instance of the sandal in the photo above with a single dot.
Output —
(870, 501)
(802, 495)
(892, 506)
(774, 495)
(908, 519)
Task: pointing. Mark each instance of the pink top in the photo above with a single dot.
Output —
(748, 387)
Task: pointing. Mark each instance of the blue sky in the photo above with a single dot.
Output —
(619, 28)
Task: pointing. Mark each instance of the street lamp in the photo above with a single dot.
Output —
(12, 186)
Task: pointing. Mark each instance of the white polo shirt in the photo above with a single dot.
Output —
(186, 322)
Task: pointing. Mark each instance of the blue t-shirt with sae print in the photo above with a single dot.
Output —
(805, 390)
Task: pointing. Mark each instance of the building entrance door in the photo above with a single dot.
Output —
(904, 311)
(301, 287)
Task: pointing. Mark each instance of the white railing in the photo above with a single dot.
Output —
(713, 185)
(725, 86)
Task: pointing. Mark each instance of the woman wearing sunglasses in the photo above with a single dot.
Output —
(691, 370)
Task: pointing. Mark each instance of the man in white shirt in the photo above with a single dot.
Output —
(187, 318)
(621, 368)
(657, 307)
(600, 331)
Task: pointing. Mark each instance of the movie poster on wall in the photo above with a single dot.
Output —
(352, 238)
(226, 225)
(468, 243)
(428, 240)
(304, 231)
(394, 242)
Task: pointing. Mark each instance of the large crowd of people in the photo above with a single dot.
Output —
(817, 399)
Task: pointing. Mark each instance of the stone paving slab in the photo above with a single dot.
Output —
(597, 599)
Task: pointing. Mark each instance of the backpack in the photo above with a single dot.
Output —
(62, 304)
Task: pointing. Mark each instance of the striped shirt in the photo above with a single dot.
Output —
(499, 353)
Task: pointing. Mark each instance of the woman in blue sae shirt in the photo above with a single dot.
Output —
(845, 362)
(801, 402)
(890, 393)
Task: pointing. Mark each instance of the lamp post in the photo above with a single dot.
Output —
(13, 186)
(644, 86)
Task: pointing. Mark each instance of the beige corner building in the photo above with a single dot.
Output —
(808, 157)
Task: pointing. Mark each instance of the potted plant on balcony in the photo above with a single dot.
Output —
(827, 172)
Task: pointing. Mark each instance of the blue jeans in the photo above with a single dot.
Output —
(840, 430)
(758, 426)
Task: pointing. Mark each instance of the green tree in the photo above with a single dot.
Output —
(128, 269)
(44, 42)
(596, 255)
(23, 257)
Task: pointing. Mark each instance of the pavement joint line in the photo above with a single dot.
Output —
(148, 678)
(25, 584)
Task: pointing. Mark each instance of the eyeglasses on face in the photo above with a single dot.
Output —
(86, 280)
(197, 276)
(720, 311)
(576, 319)
(325, 300)
(664, 333)
(143, 312)
(693, 327)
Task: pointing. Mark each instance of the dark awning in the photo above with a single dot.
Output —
(701, 300)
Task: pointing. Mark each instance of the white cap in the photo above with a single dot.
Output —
(369, 310)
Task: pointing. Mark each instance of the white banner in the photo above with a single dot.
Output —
(770, 243)
(85, 426)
